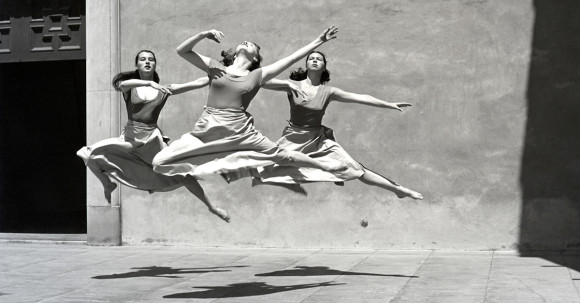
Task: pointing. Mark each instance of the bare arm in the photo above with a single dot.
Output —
(127, 85)
(274, 69)
(346, 97)
(185, 49)
(185, 87)
(286, 86)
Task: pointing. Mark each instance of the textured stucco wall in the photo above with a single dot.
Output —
(463, 64)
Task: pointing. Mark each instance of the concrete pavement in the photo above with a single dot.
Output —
(74, 272)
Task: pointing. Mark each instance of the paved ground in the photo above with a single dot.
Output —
(48, 272)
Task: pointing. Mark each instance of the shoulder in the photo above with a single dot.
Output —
(332, 92)
(329, 89)
(256, 74)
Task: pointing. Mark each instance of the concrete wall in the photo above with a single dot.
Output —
(103, 114)
(464, 64)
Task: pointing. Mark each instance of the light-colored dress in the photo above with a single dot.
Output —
(305, 133)
(223, 140)
(128, 158)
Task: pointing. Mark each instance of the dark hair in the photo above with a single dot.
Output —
(230, 55)
(301, 74)
(122, 76)
(259, 58)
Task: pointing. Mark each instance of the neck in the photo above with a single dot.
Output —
(242, 64)
(313, 77)
(146, 75)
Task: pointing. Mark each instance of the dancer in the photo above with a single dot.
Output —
(305, 132)
(224, 138)
(128, 158)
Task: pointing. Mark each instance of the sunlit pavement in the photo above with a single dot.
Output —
(51, 272)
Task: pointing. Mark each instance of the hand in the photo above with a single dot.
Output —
(162, 88)
(216, 73)
(328, 34)
(297, 91)
(172, 87)
(400, 105)
(214, 35)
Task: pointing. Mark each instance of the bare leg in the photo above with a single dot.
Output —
(294, 158)
(108, 185)
(193, 186)
(372, 178)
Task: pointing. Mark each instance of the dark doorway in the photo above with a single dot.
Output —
(42, 124)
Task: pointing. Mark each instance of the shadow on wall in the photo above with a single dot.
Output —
(550, 172)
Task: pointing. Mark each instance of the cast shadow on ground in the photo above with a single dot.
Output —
(305, 271)
(244, 290)
(164, 272)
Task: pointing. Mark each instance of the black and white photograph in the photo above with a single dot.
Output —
(304, 151)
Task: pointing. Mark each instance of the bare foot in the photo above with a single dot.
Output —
(220, 213)
(403, 192)
(108, 190)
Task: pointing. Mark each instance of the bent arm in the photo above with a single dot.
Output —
(185, 49)
(185, 87)
(338, 94)
(274, 69)
(277, 84)
(127, 85)
(286, 86)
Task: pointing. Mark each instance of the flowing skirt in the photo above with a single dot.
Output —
(128, 158)
(319, 143)
(222, 141)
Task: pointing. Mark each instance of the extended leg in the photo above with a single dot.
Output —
(108, 185)
(294, 158)
(374, 179)
(195, 188)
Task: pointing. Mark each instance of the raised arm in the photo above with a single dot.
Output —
(184, 87)
(346, 97)
(127, 85)
(185, 49)
(274, 69)
(286, 86)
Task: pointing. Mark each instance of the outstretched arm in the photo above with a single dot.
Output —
(126, 85)
(274, 69)
(286, 86)
(185, 49)
(185, 87)
(346, 97)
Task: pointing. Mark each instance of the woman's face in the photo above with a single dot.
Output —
(250, 48)
(146, 62)
(315, 62)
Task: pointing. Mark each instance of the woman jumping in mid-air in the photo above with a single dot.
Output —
(128, 158)
(305, 132)
(224, 139)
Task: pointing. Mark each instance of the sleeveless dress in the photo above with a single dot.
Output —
(128, 158)
(305, 133)
(223, 140)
